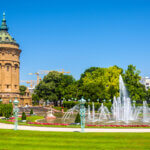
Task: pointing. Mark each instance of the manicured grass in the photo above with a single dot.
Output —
(34, 140)
(34, 118)
(29, 119)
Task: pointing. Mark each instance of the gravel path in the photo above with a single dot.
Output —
(10, 126)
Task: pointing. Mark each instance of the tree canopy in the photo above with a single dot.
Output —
(102, 83)
(132, 79)
(95, 84)
(53, 86)
(22, 89)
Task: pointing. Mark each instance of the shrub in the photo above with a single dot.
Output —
(31, 112)
(6, 110)
(69, 104)
(78, 119)
(23, 116)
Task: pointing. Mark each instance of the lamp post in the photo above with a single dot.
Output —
(16, 113)
(82, 113)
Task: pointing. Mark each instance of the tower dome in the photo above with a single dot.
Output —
(5, 37)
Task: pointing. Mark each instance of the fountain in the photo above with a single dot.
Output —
(89, 113)
(123, 111)
(146, 112)
(104, 113)
(70, 112)
(93, 112)
(49, 115)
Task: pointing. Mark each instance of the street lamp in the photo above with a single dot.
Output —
(16, 113)
(82, 113)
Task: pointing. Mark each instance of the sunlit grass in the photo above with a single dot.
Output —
(22, 140)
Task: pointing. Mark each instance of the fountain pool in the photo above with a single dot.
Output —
(123, 111)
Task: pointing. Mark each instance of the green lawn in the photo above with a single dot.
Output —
(33, 140)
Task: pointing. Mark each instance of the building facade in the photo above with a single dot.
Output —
(146, 81)
(9, 65)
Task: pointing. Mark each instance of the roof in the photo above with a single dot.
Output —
(5, 37)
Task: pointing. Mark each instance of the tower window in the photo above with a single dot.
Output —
(7, 68)
(16, 67)
(7, 39)
(7, 86)
(15, 86)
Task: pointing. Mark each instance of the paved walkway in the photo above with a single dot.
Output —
(10, 126)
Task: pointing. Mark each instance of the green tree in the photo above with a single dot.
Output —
(23, 116)
(22, 89)
(31, 112)
(148, 95)
(35, 99)
(100, 83)
(132, 79)
(89, 70)
(72, 91)
(78, 119)
(53, 86)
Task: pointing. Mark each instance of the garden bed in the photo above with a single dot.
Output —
(31, 121)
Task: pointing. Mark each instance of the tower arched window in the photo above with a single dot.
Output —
(7, 68)
(7, 39)
(16, 66)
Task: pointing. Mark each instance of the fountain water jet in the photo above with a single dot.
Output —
(104, 113)
(122, 108)
(146, 117)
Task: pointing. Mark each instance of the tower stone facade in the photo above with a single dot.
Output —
(10, 68)
(9, 65)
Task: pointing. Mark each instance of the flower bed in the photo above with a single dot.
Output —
(11, 120)
(39, 123)
(117, 125)
(88, 125)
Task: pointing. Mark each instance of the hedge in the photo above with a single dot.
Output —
(70, 104)
(6, 110)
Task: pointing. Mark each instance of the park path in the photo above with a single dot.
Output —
(33, 128)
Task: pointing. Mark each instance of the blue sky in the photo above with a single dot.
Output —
(77, 34)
